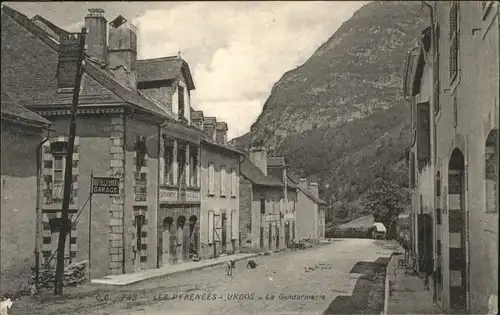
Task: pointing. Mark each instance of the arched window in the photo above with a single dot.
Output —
(491, 171)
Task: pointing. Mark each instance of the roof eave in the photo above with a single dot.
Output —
(33, 123)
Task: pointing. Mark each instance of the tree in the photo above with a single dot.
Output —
(385, 201)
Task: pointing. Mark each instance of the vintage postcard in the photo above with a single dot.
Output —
(249, 157)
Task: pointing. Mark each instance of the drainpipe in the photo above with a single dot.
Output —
(38, 208)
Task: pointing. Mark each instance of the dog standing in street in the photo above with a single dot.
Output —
(230, 267)
(252, 264)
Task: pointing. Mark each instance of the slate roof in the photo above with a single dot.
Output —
(128, 95)
(165, 68)
(10, 109)
(255, 175)
(31, 26)
(47, 25)
(273, 161)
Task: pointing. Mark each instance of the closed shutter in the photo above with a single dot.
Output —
(234, 225)
(222, 180)
(234, 185)
(210, 227)
(211, 180)
(218, 228)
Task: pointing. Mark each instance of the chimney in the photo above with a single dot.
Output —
(313, 187)
(122, 51)
(197, 119)
(221, 133)
(303, 184)
(258, 156)
(97, 36)
(69, 50)
(209, 124)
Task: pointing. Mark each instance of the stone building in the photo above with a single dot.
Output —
(133, 123)
(23, 133)
(452, 83)
(267, 204)
(219, 230)
(310, 211)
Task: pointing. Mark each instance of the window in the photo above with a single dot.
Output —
(234, 225)
(168, 160)
(211, 179)
(234, 183)
(181, 158)
(454, 40)
(59, 165)
(59, 152)
(210, 227)
(423, 135)
(262, 203)
(193, 164)
(140, 187)
(223, 179)
(491, 171)
(180, 92)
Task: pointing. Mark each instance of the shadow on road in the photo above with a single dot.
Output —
(368, 294)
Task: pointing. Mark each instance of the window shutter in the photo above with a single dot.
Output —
(210, 227)
(234, 225)
(211, 183)
(222, 180)
(234, 185)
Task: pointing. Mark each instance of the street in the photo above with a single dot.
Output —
(295, 282)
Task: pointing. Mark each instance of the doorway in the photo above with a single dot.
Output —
(277, 237)
(224, 234)
(287, 234)
(167, 240)
(270, 237)
(261, 243)
(425, 243)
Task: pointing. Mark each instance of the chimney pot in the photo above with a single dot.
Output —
(209, 124)
(97, 30)
(303, 184)
(122, 51)
(221, 132)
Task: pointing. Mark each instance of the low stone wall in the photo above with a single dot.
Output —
(351, 233)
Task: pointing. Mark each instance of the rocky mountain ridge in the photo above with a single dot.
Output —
(342, 112)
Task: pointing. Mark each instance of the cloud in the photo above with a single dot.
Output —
(237, 50)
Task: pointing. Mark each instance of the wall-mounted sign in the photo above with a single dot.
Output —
(192, 195)
(168, 195)
(106, 185)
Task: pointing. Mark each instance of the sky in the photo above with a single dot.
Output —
(236, 50)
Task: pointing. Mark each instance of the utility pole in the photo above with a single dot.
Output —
(68, 175)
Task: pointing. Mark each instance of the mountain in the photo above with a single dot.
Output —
(341, 114)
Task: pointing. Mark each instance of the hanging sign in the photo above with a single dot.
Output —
(106, 185)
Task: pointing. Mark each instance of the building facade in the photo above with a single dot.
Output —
(459, 128)
(310, 211)
(23, 133)
(219, 232)
(266, 213)
(133, 123)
